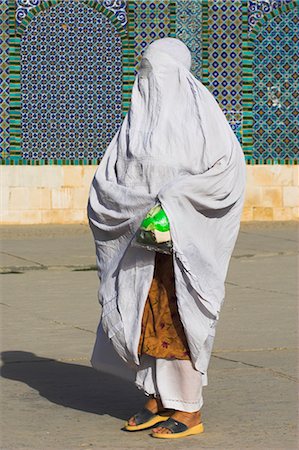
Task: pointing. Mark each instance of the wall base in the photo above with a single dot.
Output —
(58, 194)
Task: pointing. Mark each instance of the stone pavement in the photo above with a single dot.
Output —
(53, 399)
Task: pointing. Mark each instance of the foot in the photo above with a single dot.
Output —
(153, 404)
(189, 419)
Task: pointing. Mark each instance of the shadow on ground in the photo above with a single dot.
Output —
(72, 385)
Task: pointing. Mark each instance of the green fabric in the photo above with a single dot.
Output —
(156, 219)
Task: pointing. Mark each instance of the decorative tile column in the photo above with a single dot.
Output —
(4, 79)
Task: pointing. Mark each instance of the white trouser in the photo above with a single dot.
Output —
(175, 382)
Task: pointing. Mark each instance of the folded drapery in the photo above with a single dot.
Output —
(175, 147)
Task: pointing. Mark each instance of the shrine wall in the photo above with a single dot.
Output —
(67, 72)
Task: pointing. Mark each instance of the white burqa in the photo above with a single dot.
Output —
(175, 147)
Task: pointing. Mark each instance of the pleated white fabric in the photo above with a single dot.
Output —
(175, 147)
(175, 382)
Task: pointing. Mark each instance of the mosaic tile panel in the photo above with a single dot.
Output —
(4, 79)
(196, 22)
(225, 58)
(258, 8)
(71, 59)
(189, 30)
(151, 22)
(276, 88)
(118, 7)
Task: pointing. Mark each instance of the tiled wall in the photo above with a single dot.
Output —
(276, 88)
(225, 59)
(243, 50)
(64, 94)
(151, 21)
(4, 79)
(188, 20)
(61, 117)
(69, 68)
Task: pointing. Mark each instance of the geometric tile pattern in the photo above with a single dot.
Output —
(257, 9)
(188, 29)
(71, 60)
(250, 42)
(276, 88)
(151, 22)
(247, 97)
(118, 7)
(210, 28)
(4, 79)
(225, 58)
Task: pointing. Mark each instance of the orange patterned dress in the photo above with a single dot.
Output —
(162, 332)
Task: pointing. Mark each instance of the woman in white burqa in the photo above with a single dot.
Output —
(174, 148)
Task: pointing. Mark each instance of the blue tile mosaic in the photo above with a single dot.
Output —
(189, 30)
(258, 8)
(71, 83)
(79, 58)
(151, 21)
(225, 58)
(118, 7)
(276, 88)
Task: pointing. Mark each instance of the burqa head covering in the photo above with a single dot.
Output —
(175, 147)
(173, 116)
(169, 47)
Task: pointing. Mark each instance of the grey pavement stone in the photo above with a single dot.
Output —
(72, 245)
(52, 399)
(62, 246)
(282, 363)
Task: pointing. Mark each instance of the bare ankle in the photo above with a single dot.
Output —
(152, 404)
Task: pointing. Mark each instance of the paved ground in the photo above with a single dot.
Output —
(53, 399)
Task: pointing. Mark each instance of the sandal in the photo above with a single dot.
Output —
(178, 429)
(145, 419)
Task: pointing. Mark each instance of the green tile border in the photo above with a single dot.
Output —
(15, 35)
(205, 42)
(128, 64)
(127, 36)
(172, 16)
(248, 40)
(275, 12)
(4, 79)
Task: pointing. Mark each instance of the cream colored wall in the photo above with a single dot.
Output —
(45, 194)
(58, 194)
(272, 193)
